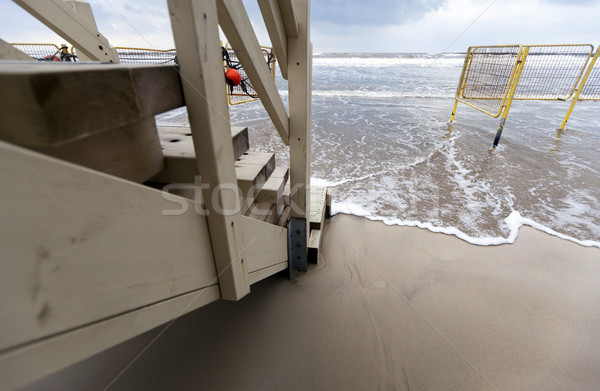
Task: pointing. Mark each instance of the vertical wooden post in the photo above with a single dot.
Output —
(195, 30)
(299, 72)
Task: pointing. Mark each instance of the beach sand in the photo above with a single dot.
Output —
(387, 307)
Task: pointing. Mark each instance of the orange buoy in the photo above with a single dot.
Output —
(234, 76)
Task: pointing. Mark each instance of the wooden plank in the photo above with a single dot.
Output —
(261, 274)
(196, 35)
(10, 53)
(82, 246)
(329, 201)
(315, 239)
(284, 216)
(29, 363)
(50, 104)
(251, 174)
(286, 194)
(318, 204)
(272, 190)
(61, 18)
(267, 244)
(179, 139)
(290, 21)
(263, 211)
(300, 106)
(179, 156)
(131, 152)
(240, 141)
(276, 29)
(250, 178)
(235, 23)
(314, 243)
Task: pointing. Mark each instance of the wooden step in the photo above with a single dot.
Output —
(45, 106)
(179, 155)
(264, 211)
(179, 139)
(272, 190)
(286, 194)
(318, 204)
(285, 216)
(314, 241)
(252, 171)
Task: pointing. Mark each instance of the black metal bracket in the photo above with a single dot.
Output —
(297, 246)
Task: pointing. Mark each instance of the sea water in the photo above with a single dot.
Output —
(381, 140)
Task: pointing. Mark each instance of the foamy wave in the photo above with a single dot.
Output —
(514, 221)
(376, 94)
(379, 94)
(376, 62)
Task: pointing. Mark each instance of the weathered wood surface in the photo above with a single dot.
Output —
(235, 23)
(79, 246)
(299, 85)
(318, 204)
(288, 14)
(314, 241)
(284, 216)
(131, 152)
(261, 274)
(196, 33)
(50, 104)
(180, 158)
(252, 171)
(29, 363)
(267, 246)
(272, 190)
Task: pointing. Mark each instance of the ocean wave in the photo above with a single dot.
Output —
(376, 62)
(377, 94)
(514, 221)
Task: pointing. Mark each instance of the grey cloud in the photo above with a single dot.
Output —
(371, 12)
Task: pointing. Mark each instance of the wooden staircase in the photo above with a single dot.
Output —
(264, 187)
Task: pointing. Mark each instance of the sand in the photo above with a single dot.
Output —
(391, 308)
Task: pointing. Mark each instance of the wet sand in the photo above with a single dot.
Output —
(386, 308)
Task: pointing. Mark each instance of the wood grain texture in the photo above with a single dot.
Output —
(49, 104)
(131, 152)
(82, 246)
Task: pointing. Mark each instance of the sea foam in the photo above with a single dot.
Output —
(514, 221)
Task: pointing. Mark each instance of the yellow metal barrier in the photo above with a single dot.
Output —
(42, 51)
(129, 55)
(486, 78)
(245, 92)
(589, 88)
(494, 76)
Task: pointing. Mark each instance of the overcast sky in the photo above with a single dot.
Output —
(356, 25)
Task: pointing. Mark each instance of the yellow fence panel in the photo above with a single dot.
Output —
(552, 72)
(146, 56)
(244, 92)
(494, 76)
(45, 51)
(591, 89)
(486, 78)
